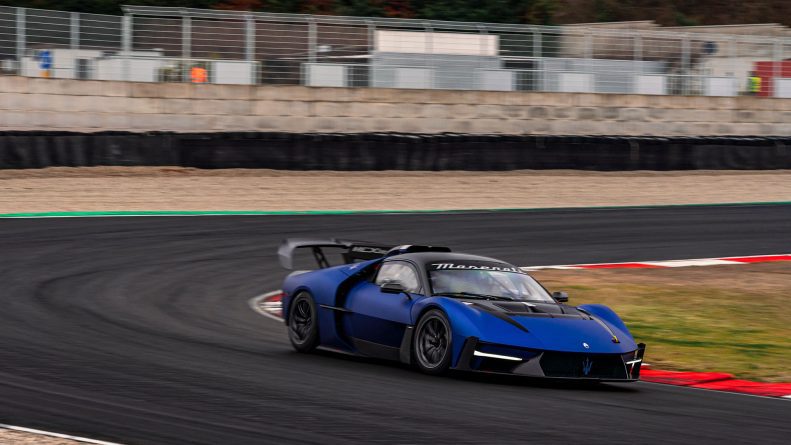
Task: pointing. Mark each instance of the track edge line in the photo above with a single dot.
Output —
(159, 213)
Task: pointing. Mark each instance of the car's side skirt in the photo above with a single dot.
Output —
(371, 349)
(402, 354)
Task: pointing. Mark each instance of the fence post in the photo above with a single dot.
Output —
(733, 65)
(483, 48)
(371, 27)
(777, 64)
(20, 39)
(126, 45)
(429, 51)
(538, 65)
(589, 58)
(186, 46)
(637, 68)
(588, 44)
(305, 68)
(537, 49)
(75, 30)
(312, 40)
(249, 46)
(685, 65)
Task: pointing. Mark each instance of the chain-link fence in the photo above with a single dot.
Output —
(156, 44)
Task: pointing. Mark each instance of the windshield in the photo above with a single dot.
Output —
(509, 284)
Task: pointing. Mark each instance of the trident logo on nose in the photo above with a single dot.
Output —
(586, 366)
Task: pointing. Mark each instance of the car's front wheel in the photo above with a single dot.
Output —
(431, 348)
(303, 326)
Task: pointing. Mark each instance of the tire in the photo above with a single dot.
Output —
(303, 325)
(432, 343)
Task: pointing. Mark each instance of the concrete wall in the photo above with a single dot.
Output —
(49, 104)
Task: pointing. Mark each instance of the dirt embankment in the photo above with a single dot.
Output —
(160, 188)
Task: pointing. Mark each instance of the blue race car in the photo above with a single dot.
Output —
(439, 310)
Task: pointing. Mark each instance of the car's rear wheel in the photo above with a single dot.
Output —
(303, 326)
(431, 348)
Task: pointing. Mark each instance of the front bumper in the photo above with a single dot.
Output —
(493, 358)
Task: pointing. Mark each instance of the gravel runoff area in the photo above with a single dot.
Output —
(166, 188)
(11, 437)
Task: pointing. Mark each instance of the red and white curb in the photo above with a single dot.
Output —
(58, 435)
(716, 381)
(269, 305)
(724, 261)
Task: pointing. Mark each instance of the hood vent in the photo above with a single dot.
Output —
(515, 307)
(538, 309)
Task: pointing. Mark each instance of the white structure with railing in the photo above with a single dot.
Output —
(155, 44)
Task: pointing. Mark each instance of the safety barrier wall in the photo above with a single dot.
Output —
(81, 105)
(389, 151)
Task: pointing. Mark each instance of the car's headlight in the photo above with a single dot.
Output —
(499, 356)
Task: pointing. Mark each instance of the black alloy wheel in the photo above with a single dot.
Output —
(432, 344)
(302, 323)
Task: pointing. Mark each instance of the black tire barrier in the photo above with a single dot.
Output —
(391, 151)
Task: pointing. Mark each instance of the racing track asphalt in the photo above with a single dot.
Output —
(138, 330)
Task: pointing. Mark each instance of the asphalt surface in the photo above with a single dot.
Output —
(138, 330)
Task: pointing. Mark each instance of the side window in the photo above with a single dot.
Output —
(395, 271)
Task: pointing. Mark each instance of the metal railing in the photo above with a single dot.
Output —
(156, 44)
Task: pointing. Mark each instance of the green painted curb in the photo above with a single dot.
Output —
(356, 212)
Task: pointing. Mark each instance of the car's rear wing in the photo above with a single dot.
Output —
(351, 251)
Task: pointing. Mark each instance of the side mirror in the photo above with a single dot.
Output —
(560, 297)
(393, 287)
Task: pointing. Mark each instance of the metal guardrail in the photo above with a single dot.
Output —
(160, 44)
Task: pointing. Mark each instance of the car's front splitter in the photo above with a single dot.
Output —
(484, 357)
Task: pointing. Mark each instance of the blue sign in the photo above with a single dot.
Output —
(45, 59)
